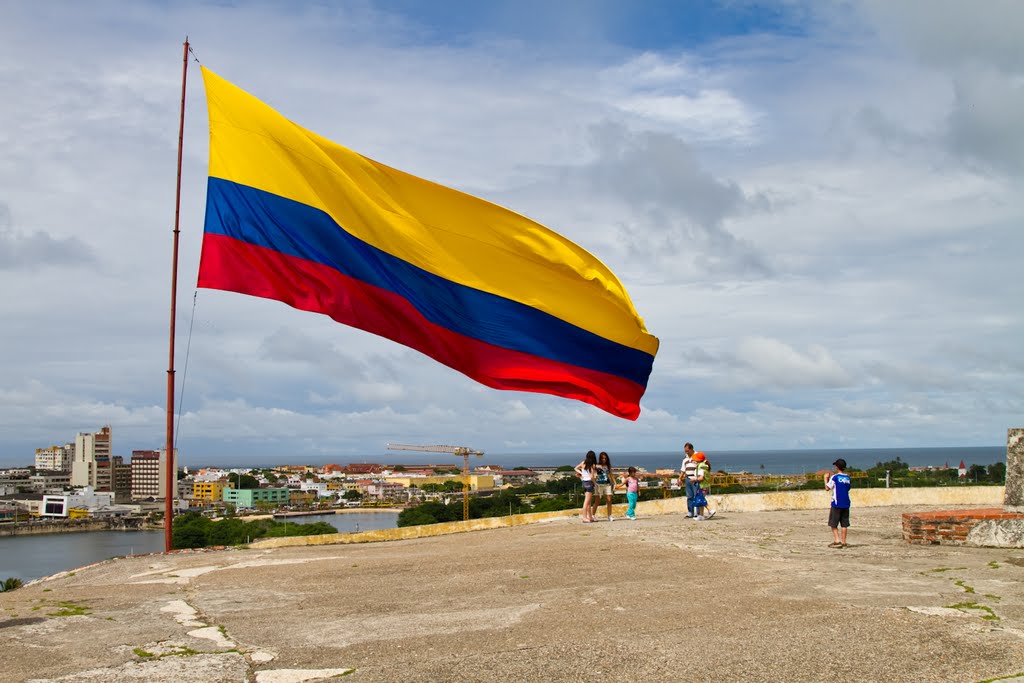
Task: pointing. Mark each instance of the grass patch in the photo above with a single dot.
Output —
(945, 569)
(1002, 678)
(139, 652)
(223, 631)
(47, 590)
(993, 565)
(182, 651)
(989, 614)
(70, 609)
(993, 597)
(962, 584)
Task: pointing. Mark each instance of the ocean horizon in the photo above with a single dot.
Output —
(766, 461)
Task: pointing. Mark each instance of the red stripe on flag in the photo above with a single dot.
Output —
(236, 266)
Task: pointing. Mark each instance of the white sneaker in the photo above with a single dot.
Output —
(631, 518)
(711, 514)
(699, 518)
(610, 518)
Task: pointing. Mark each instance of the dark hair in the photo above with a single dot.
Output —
(687, 445)
(632, 470)
(841, 464)
(604, 458)
(590, 461)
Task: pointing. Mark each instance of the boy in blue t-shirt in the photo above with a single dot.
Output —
(839, 514)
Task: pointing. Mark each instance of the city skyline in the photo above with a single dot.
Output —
(815, 208)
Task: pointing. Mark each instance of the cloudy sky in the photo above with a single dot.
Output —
(817, 207)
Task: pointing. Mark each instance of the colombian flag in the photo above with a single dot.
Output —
(294, 217)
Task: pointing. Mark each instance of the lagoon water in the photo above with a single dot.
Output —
(32, 557)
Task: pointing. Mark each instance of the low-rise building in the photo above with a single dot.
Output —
(210, 491)
(49, 481)
(477, 482)
(317, 487)
(247, 498)
(301, 498)
(85, 499)
(513, 477)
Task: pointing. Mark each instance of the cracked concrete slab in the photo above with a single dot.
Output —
(773, 603)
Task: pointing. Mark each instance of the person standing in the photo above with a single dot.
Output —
(688, 478)
(586, 471)
(632, 493)
(604, 481)
(839, 514)
(703, 481)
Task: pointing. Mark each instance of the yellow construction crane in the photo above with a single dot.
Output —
(464, 451)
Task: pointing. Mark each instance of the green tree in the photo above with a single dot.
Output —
(415, 517)
(431, 512)
(225, 532)
(997, 472)
(190, 531)
(553, 503)
(10, 584)
(245, 481)
(562, 485)
(352, 494)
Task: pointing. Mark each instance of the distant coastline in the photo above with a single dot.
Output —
(774, 461)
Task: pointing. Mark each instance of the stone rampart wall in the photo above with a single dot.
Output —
(734, 502)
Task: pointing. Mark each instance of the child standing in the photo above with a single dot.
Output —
(632, 493)
(586, 471)
(703, 474)
(839, 513)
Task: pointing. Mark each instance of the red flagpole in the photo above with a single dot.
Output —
(172, 472)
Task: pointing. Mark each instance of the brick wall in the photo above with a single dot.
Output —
(948, 527)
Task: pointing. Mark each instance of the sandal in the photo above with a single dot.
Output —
(833, 544)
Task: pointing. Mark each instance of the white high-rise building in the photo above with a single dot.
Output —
(55, 458)
(90, 448)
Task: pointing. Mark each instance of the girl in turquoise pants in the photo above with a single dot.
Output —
(632, 493)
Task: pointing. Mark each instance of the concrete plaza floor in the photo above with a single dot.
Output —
(754, 596)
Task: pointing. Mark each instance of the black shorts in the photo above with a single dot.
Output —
(839, 517)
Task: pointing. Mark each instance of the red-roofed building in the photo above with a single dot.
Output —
(363, 468)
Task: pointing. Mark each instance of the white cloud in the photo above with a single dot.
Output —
(821, 225)
(770, 362)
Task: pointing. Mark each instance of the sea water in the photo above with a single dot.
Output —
(768, 462)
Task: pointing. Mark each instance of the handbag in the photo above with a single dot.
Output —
(699, 499)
